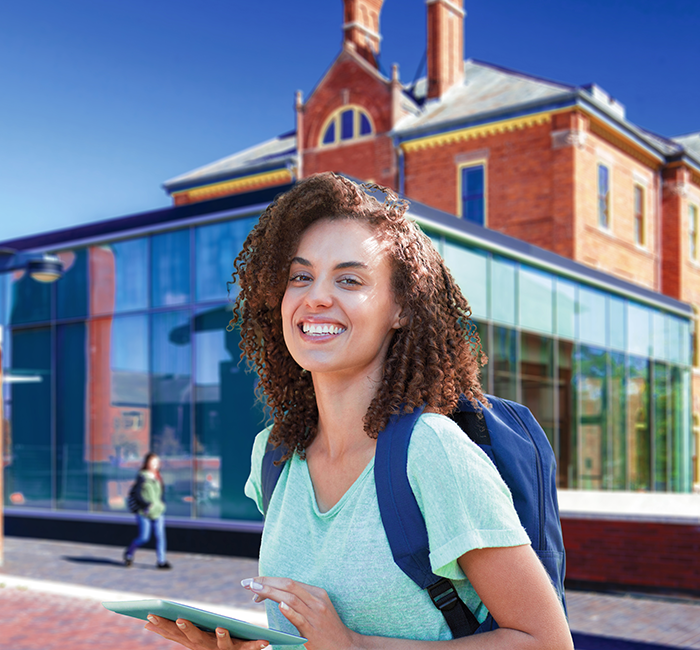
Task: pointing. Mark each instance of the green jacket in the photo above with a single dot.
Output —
(152, 493)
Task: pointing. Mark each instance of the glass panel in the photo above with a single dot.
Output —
(473, 194)
(593, 413)
(470, 270)
(28, 476)
(119, 276)
(216, 246)
(227, 419)
(685, 346)
(119, 416)
(171, 268)
(503, 362)
(537, 377)
(638, 330)
(329, 135)
(638, 430)
(503, 290)
(535, 300)
(30, 301)
(681, 476)
(617, 324)
(674, 340)
(72, 290)
(618, 401)
(365, 126)
(658, 323)
(567, 443)
(661, 426)
(566, 309)
(72, 458)
(171, 411)
(592, 316)
(347, 124)
(603, 197)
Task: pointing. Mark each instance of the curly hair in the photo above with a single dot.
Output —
(433, 358)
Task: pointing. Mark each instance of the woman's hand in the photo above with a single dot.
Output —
(307, 608)
(189, 635)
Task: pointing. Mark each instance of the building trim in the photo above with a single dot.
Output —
(245, 183)
(605, 132)
(451, 5)
(363, 28)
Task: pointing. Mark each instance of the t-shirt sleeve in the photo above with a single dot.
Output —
(465, 502)
(253, 486)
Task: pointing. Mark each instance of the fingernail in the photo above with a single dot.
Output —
(181, 625)
(247, 582)
(256, 586)
(256, 599)
(264, 645)
(220, 634)
(284, 605)
(152, 620)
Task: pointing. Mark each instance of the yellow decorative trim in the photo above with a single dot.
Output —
(623, 144)
(494, 128)
(276, 177)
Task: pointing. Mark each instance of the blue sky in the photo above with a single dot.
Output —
(103, 100)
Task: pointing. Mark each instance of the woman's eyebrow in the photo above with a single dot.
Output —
(341, 265)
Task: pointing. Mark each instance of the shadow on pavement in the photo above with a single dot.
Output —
(102, 561)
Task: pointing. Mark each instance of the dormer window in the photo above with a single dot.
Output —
(348, 123)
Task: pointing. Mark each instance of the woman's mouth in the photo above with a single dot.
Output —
(321, 329)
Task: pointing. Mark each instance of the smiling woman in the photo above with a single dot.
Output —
(349, 316)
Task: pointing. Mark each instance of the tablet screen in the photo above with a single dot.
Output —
(207, 621)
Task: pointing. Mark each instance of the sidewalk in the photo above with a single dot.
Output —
(51, 592)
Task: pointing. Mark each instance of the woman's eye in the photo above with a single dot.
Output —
(300, 277)
(350, 281)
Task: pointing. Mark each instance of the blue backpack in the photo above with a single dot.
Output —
(518, 447)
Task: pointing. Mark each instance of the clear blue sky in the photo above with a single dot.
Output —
(103, 100)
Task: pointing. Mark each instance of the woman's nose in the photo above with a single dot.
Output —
(319, 294)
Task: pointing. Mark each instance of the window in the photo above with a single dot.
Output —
(603, 196)
(349, 123)
(693, 232)
(473, 205)
(639, 222)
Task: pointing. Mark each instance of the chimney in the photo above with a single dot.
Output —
(445, 45)
(361, 27)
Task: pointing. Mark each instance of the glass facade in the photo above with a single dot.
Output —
(129, 352)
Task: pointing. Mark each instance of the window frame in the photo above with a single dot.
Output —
(335, 118)
(693, 215)
(479, 162)
(640, 217)
(607, 198)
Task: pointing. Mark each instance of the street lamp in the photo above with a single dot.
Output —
(42, 267)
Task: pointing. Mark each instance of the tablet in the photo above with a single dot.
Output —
(207, 621)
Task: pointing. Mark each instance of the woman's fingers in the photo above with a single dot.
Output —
(189, 635)
(225, 642)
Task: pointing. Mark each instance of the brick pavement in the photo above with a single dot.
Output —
(55, 588)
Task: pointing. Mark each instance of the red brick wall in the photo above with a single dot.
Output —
(645, 555)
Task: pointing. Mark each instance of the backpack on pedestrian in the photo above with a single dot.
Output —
(518, 447)
(134, 501)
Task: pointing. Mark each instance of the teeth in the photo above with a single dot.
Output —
(321, 328)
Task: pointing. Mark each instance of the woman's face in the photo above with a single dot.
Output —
(154, 463)
(338, 311)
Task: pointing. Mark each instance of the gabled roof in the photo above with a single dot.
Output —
(691, 143)
(278, 152)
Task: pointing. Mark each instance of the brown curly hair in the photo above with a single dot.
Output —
(434, 358)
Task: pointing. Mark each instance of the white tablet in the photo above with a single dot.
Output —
(207, 621)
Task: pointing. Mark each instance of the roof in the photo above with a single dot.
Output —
(270, 154)
(691, 143)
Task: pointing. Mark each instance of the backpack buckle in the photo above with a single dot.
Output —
(443, 594)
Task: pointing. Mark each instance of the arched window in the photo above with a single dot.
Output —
(348, 123)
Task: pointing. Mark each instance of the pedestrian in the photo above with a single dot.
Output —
(349, 315)
(151, 517)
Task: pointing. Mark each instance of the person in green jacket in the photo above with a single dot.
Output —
(152, 516)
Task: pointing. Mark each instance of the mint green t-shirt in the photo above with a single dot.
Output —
(465, 503)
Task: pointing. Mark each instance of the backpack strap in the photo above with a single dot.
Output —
(269, 472)
(405, 526)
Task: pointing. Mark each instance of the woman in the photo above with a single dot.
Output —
(151, 517)
(348, 315)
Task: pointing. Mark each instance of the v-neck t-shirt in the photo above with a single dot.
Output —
(465, 503)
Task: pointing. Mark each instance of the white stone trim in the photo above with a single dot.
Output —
(458, 10)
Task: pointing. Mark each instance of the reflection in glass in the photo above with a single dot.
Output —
(617, 323)
(618, 417)
(503, 361)
(28, 478)
(681, 478)
(537, 377)
(638, 431)
(72, 290)
(170, 268)
(119, 276)
(535, 299)
(170, 406)
(470, 270)
(566, 309)
(661, 426)
(119, 406)
(227, 419)
(658, 324)
(592, 316)
(216, 246)
(503, 274)
(30, 301)
(567, 447)
(638, 330)
(593, 412)
(72, 456)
